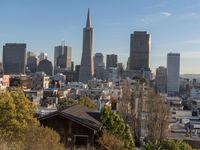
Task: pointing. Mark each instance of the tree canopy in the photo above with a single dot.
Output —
(168, 145)
(86, 101)
(17, 112)
(115, 124)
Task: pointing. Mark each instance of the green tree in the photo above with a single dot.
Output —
(115, 124)
(17, 112)
(168, 145)
(66, 103)
(175, 145)
(152, 146)
(86, 101)
(109, 142)
(41, 138)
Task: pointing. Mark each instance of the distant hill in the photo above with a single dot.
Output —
(191, 76)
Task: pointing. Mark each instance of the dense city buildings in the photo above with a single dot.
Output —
(140, 46)
(14, 55)
(42, 56)
(32, 63)
(173, 72)
(62, 58)
(111, 61)
(40, 81)
(161, 79)
(87, 65)
(45, 66)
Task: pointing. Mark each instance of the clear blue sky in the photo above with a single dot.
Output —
(173, 24)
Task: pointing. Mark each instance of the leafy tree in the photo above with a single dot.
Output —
(115, 124)
(41, 138)
(66, 103)
(168, 145)
(175, 145)
(86, 101)
(17, 112)
(152, 146)
(33, 138)
(109, 142)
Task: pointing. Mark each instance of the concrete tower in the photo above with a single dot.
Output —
(140, 45)
(87, 66)
(173, 73)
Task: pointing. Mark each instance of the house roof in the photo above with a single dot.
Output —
(79, 114)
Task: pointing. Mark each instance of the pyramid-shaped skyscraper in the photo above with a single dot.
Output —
(87, 66)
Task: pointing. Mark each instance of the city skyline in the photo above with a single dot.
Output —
(173, 26)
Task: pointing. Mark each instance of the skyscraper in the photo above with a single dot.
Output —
(45, 66)
(14, 55)
(42, 56)
(111, 61)
(161, 79)
(99, 66)
(173, 71)
(32, 62)
(87, 66)
(62, 57)
(140, 45)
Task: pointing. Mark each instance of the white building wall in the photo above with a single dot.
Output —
(173, 72)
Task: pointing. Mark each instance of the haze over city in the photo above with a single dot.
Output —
(173, 26)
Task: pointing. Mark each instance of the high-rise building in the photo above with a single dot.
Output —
(161, 79)
(140, 45)
(42, 56)
(62, 57)
(99, 66)
(46, 67)
(173, 72)
(111, 61)
(14, 56)
(87, 65)
(32, 62)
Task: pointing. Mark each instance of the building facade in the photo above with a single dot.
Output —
(99, 66)
(111, 61)
(173, 72)
(87, 65)
(32, 63)
(62, 57)
(161, 79)
(45, 66)
(40, 81)
(14, 55)
(140, 45)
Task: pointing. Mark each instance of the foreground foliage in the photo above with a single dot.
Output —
(17, 113)
(113, 123)
(168, 145)
(110, 142)
(19, 129)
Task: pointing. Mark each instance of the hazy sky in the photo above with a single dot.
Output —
(174, 26)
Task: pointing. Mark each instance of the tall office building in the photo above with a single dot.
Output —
(111, 61)
(62, 57)
(42, 56)
(14, 56)
(99, 66)
(87, 65)
(140, 45)
(45, 66)
(173, 72)
(32, 62)
(161, 79)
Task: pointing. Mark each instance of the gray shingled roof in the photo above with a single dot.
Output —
(79, 114)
